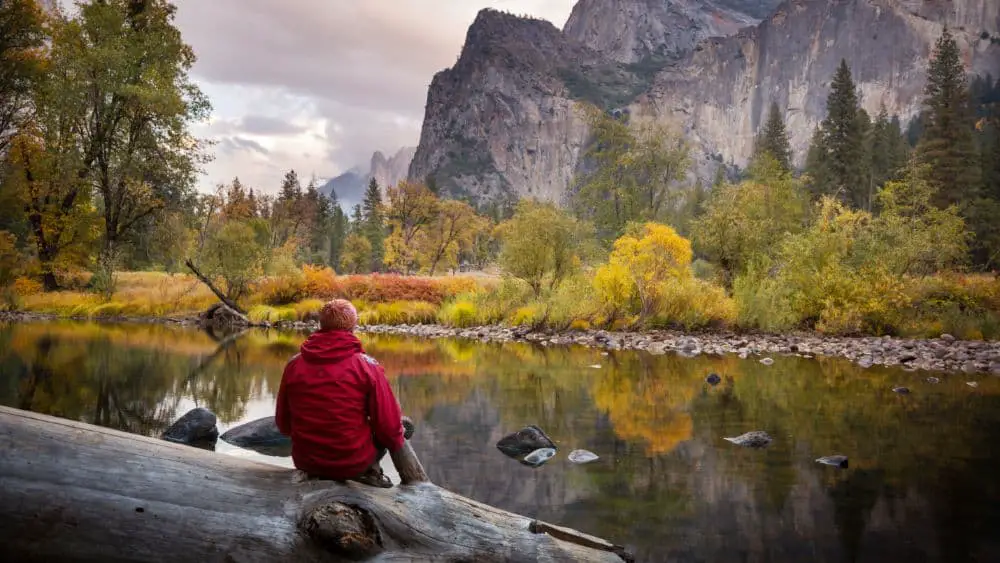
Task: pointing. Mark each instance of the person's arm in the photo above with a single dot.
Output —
(383, 408)
(282, 414)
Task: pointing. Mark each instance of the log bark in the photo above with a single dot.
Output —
(75, 492)
(222, 296)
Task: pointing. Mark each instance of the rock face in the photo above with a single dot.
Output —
(390, 171)
(387, 171)
(502, 122)
(721, 91)
(632, 31)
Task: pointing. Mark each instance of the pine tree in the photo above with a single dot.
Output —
(773, 139)
(843, 141)
(947, 144)
(816, 166)
(374, 223)
(338, 230)
(863, 193)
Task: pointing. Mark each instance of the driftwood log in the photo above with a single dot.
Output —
(75, 492)
(222, 296)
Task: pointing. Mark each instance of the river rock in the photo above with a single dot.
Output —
(933, 380)
(972, 384)
(753, 439)
(767, 361)
(539, 456)
(901, 390)
(582, 456)
(947, 338)
(525, 441)
(198, 425)
(834, 460)
(713, 379)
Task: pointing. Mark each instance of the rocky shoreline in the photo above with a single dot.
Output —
(942, 354)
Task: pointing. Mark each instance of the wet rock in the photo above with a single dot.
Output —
(933, 380)
(753, 439)
(539, 456)
(834, 460)
(767, 361)
(995, 368)
(582, 456)
(947, 337)
(972, 384)
(865, 362)
(261, 435)
(901, 390)
(524, 442)
(713, 379)
(197, 426)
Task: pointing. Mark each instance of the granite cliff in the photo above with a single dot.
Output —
(387, 171)
(503, 123)
(631, 31)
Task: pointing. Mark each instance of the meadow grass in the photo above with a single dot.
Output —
(966, 306)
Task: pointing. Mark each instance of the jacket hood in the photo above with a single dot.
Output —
(330, 346)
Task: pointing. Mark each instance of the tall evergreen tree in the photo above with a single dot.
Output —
(773, 139)
(947, 144)
(374, 223)
(816, 166)
(338, 230)
(842, 141)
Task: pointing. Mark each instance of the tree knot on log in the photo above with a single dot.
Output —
(345, 529)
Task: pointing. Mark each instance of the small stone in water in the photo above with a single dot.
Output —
(972, 384)
(901, 390)
(596, 366)
(767, 361)
(753, 439)
(582, 456)
(539, 456)
(834, 460)
(713, 379)
(933, 380)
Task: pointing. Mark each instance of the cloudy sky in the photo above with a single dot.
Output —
(318, 85)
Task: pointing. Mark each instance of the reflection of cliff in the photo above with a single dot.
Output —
(921, 484)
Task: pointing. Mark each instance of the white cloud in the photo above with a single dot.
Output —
(318, 85)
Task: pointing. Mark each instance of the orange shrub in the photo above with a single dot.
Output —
(388, 288)
(319, 281)
(281, 290)
(26, 286)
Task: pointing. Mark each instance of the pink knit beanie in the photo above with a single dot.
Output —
(338, 314)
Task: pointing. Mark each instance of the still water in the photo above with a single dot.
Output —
(923, 482)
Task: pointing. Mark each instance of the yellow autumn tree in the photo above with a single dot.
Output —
(453, 230)
(642, 262)
(410, 211)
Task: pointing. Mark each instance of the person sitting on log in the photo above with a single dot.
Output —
(336, 404)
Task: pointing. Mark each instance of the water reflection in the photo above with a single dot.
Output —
(921, 484)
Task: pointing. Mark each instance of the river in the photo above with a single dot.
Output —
(923, 482)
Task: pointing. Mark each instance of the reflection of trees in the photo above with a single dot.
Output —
(646, 405)
(922, 467)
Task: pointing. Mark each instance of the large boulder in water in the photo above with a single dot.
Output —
(524, 441)
(261, 435)
(197, 426)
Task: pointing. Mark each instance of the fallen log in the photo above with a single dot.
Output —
(222, 296)
(75, 492)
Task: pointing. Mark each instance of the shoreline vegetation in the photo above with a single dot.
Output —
(492, 309)
(882, 232)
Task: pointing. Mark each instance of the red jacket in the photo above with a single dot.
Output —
(333, 398)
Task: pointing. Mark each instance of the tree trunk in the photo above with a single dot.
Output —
(76, 492)
(222, 297)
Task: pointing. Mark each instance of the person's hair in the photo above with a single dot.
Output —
(338, 314)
